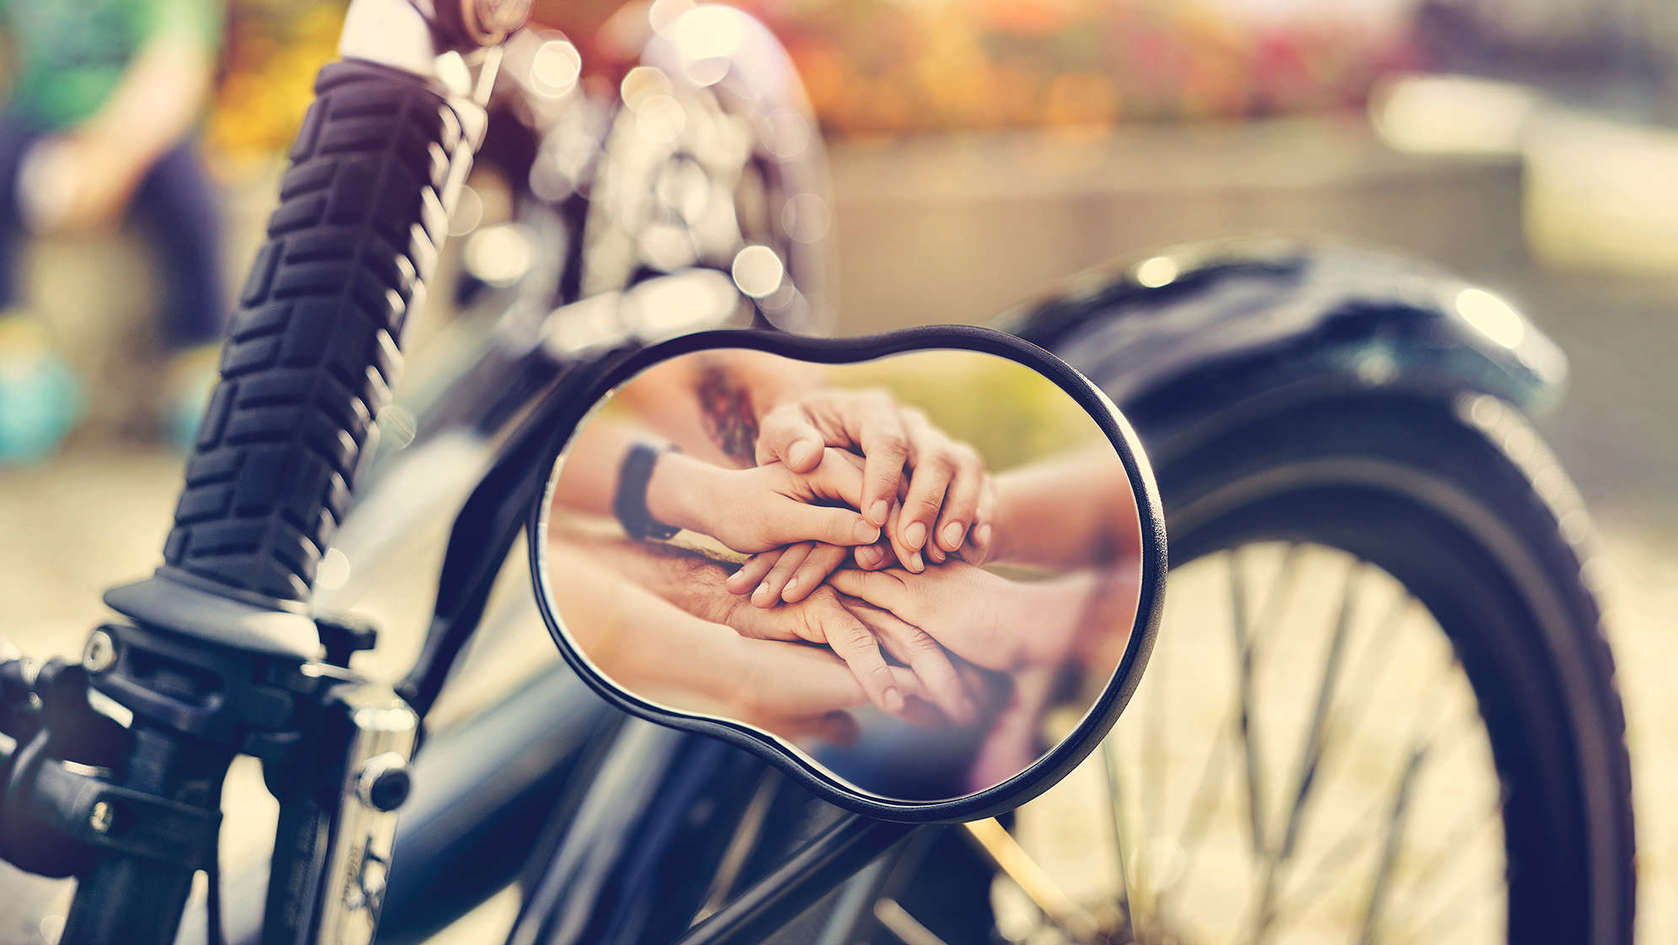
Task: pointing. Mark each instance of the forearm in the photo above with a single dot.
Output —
(1066, 512)
(589, 480)
(679, 489)
(631, 632)
(689, 579)
(160, 97)
(656, 647)
(710, 402)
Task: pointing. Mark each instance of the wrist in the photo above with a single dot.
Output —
(736, 687)
(705, 595)
(1050, 610)
(1002, 531)
(677, 489)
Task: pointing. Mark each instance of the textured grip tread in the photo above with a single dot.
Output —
(314, 346)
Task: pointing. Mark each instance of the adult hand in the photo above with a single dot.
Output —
(940, 499)
(988, 620)
(822, 619)
(979, 546)
(787, 574)
(752, 510)
(796, 691)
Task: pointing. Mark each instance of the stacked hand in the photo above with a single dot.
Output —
(865, 526)
(917, 592)
(769, 506)
(928, 493)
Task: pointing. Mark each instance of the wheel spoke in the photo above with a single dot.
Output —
(1246, 725)
(1018, 865)
(900, 923)
(1371, 665)
(1382, 882)
(1331, 864)
(1450, 918)
(1110, 764)
(1310, 752)
(1199, 816)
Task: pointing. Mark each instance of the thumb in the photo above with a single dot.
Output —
(788, 437)
(796, 522)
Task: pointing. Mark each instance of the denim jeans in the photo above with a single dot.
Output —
(175, 207)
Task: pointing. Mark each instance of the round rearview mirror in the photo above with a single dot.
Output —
(919, 571)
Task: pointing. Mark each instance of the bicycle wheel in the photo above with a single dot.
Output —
(1380, 709)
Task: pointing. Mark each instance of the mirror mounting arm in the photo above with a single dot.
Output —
(484, 531)
(814, 870)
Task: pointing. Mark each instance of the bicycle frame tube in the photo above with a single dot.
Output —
(651, 838)
(810, 873)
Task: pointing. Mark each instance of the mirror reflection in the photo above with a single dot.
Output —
(919, 571)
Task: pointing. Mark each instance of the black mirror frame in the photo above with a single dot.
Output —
(1045, 771)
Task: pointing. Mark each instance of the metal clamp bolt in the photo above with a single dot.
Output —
(100, 653)
(102, 817)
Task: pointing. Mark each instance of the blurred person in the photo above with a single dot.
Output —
(98, 128)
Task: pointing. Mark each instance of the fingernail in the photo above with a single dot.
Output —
(878, 511)
(915, 563)
(786, 591)
(894, 699)
(760, 596)
(952, 536)
(865, 533)
(915, 535)
(981, 535)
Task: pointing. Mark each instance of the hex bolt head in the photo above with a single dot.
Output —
(100, 653)
(384, 782)
(102, 817)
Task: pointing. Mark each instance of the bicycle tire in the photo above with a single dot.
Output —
(1461, 502)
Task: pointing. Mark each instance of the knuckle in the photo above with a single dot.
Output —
(781, 420)
(854, 638)
(891, 441)
(921, 643)
(943, 458)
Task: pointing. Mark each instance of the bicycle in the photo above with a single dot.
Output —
(1298, 448)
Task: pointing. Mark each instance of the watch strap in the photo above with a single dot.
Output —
(630, 503)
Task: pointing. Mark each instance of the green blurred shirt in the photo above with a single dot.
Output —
(68, 56)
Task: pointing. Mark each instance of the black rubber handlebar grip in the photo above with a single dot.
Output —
(315, 343)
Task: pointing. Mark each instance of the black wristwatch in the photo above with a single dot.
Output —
(630, 504)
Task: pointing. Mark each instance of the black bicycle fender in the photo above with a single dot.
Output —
(1204, 334)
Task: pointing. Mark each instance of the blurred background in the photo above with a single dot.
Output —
(982, 152)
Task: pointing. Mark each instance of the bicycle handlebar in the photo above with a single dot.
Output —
(315, 343)
(314, 346)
